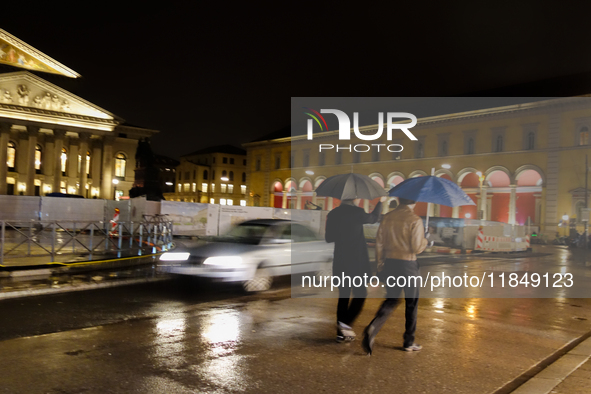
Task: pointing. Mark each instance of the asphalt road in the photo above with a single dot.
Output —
(194, 337)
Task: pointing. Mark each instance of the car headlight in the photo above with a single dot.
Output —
(174, 256)
(225, 261)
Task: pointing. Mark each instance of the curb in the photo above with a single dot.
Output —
(71, 288)
(541, 366)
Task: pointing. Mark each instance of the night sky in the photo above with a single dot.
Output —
(209, 73)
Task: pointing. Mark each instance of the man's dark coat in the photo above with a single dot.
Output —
(344, 227)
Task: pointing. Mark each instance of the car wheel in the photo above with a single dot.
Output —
(262, 281)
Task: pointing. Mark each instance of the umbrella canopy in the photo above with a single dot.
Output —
(431, 189)
(350, 187)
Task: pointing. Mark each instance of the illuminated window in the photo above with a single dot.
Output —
(204, 187)
(187, 187)
(230, 189)
(213, 187)
(38, 159)
(194, 188)
(11, 158)
(64, 161)
(120, 164)
(212, 200)
(243, 189)
(584, 136)
(229, 202)
(223, 188)
(222, 201)
(242, 203)
(180, 187)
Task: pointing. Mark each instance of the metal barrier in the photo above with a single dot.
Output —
(65, 239)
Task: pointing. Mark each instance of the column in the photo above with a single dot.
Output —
(483, 198)
(59, 136)
(538, 209)
(512, 205)
(4, 134)
(95, 169)
(298, 200)
(455, 212)
(33, 131)
(366, 205)
(314, 198)
(284, 200)
(107, 181)
(82, 176)
(329, 203)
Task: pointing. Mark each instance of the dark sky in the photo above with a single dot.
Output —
(208, 73)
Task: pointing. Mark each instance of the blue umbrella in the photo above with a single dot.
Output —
(431, 189)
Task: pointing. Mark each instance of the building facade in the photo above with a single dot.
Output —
(521, 164)
(215, 175)
(54, 141)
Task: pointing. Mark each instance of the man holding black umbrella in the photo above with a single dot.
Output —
(400, 237)
(344, 227)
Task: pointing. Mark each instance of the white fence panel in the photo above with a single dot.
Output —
(187, 218)
(230, 216)
(75, 209)
(16, 208)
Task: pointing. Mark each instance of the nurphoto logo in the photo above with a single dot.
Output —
(345, 129)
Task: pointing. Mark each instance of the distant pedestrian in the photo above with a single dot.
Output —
(344, 227)
(400, 237)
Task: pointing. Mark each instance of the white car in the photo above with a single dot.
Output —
(254, 252)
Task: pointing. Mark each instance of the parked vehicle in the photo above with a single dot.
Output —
(254, 252)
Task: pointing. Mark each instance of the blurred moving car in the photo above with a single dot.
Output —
(254, 252)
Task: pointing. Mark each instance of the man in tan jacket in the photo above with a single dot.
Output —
(400, 237)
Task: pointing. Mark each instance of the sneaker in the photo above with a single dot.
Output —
(344, 333)
(413, 348)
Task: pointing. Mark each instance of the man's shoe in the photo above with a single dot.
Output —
(413, 348)
(367, 342)
(344, 333)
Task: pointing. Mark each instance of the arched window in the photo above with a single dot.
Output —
(531, 140)
(11, 158)
(231, 175)
(120, 164)
(471, 146)
(224, 174)
(205, 174)
(64, 161)
(38, 159)
(584, 136)
(244, 177)
(499, 146)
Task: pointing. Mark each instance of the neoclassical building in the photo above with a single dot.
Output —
(520, 164)
(54, 141)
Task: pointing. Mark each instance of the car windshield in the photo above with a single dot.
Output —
(246, 233)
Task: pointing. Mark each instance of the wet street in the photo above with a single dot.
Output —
(176, 336)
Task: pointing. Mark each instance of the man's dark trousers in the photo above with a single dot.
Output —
(394, 268)
(347, 313)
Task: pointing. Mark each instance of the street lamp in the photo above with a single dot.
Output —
(115, 183)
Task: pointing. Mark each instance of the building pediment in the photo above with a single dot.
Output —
(19, 54)
(26, 96)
